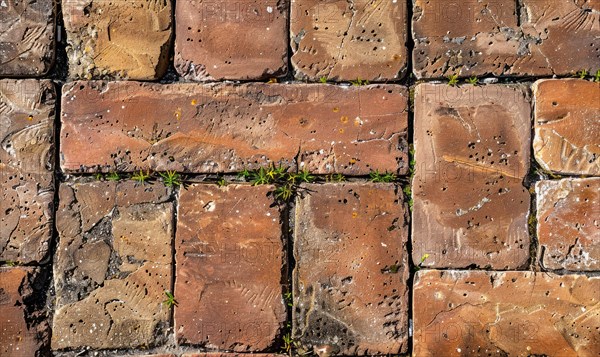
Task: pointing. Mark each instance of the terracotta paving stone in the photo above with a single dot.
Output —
(113, 265)
(347, 40)
(567, 126)
(505, 38)
(26, 169)
(481, 313)
(568, 230)
(117, 39)
(350, 293)
(23, 327)
(229, 262)
(472, 151)
(229, 39)
(127, 126)
(26, 37)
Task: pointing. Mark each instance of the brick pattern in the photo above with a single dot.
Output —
(95, 262)
(472, 154)
(128, 126)
(26, 169)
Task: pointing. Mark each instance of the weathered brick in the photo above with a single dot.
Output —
(23, 327)
(504, 38)
(26, 169)
(231, 39)
(117, 39)
(567, 126)
(112, 265)
(348, 40)
(229, 263)
(127, 126)
(26, 37)
(350, 293)
(568, 229)
(472, 153)
(482, 313)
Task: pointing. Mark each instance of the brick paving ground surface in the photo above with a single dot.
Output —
(299, 177)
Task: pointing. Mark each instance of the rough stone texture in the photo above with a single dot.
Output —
(567, 126)
(505, 38)
(26, 169)
(23, 327)
(117, 39)
(347, 40)
(477, 313)
(472, 153)
(26, 37)
(229, 39)
(350, 293)
(113, 265)
(568, 230)
(127, 126)
(229, 263)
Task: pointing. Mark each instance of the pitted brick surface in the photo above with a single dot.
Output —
(478, 313)
(127, 126)
(472, 153)
(350, 293)
(568, 230)
(26, 169)
(505, 38)
(349, 40)
(113, 265)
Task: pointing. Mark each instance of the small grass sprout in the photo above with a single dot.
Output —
(423, 258)
(335, 178)
(473, 80)
(453, 80)
(170, 301)
(113, 176)
(304, 176)
(171, 178)
(359, 82)
(386, 176)
(141, 176)
(284, 192)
